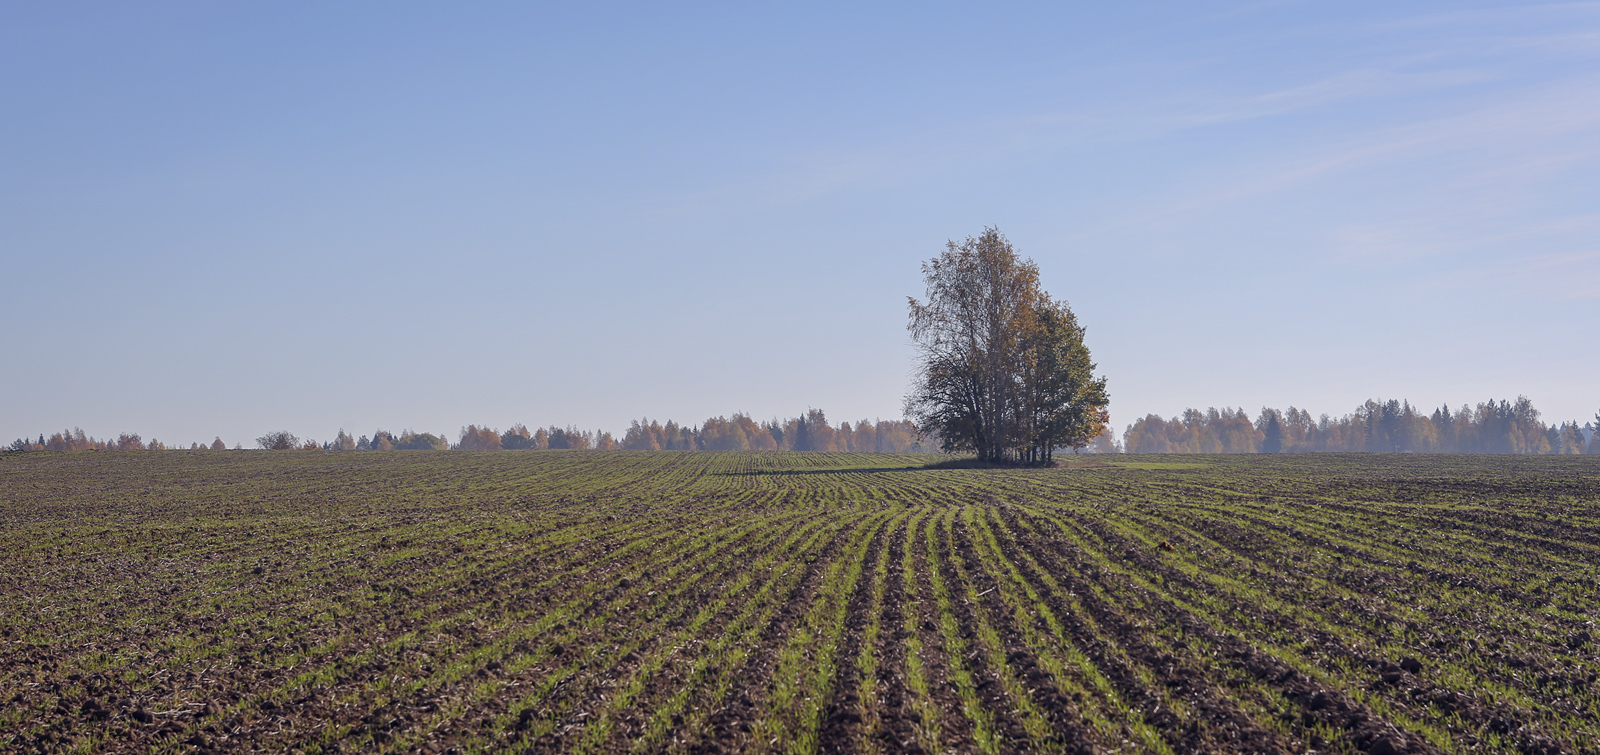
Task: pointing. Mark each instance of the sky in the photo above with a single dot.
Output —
(227, 219)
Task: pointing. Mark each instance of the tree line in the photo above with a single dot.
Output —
(808, 432)
(1506, 427)
(1394, 426)
(76, 440)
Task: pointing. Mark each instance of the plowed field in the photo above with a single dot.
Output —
(647, 602)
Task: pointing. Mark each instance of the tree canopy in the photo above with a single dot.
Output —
(1393, 426)
(1002, 368)
(280, 440)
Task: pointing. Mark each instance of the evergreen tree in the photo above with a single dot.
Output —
(1271, 431)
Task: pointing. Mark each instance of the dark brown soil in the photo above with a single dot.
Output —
(669, 602)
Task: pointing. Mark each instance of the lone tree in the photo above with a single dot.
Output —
(1002, 367)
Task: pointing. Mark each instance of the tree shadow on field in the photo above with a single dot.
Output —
(966, 462)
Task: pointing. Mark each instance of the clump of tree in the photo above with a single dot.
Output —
(383, 440)
(649, 435)
(414, 441)
(1105, 443)
(278, 440)
(475, 438)
(573, 439)
(1499, 427)
(68, 440)
(76, 440)
(808, 432)
(739, 432)
(736, 433)
(1215, 431)
(518, 437)
(1002, 368)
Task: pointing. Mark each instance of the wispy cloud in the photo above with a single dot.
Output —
(1466, 175)
(1526, 136)
(1567, 276)
(1164, 118)
(1008, 139)
(1509, 15)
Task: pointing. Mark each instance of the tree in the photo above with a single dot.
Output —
(218, 445)
(1105, 442)
(643, 435)
(517, 437)
(569, 437)
(798, 435)
(866, 437)
(280, 440)
(474, 438)
(1065, 402)
(1494, 427)
(410, 441)
(818, 433)
(1002, 369)
(1271, 431)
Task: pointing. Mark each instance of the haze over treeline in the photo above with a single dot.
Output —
(1503, 427)
(738, 432)
(809, 432)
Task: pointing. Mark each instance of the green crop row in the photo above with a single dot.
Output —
(797, 602)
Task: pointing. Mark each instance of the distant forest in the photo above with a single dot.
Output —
(810, 432)
(1496, 427)
(1503, 427)
(739, 432)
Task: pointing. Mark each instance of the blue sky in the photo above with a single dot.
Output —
(228, 219)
